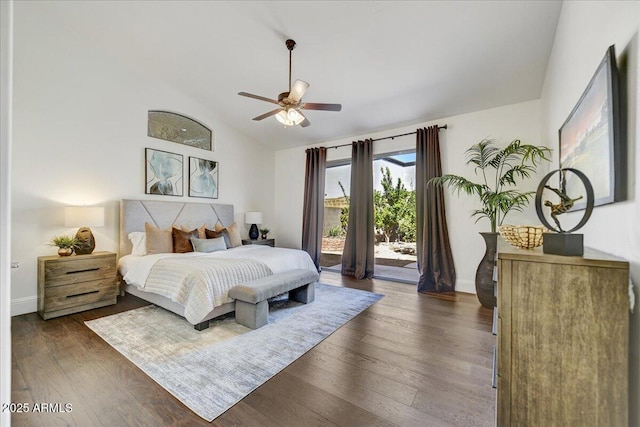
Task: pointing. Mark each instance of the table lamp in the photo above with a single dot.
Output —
(253, 218)
(84, 217)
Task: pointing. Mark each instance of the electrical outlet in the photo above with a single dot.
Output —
(15, 264)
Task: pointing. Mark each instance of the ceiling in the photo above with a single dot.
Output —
(389, 64)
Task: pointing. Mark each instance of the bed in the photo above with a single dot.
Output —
(193, 285)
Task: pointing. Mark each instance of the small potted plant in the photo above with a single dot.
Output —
(66, 244)
(264, 232)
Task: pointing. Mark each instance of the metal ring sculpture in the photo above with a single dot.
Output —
(590, 199)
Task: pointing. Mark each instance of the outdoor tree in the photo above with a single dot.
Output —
(394, 209)
(344, 212)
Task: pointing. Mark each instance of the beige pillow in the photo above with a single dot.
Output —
(158, 241)
(233, 232)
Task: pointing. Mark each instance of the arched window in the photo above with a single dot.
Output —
(178, 128)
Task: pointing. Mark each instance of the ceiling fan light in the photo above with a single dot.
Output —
(282, 118)
(290, 117)
(293, 114)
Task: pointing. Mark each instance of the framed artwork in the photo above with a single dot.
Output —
(203, 178)
(178, 128)
(590, 138)
(164, 173)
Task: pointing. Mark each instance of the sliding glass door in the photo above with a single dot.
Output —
(394, 206)
(336, 214)
(395, 216)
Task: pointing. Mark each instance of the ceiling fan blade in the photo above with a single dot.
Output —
(305, 122)
(261, 98)
(298, 90)
(325, 107)
(269, 114)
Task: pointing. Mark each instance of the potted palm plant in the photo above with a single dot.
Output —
(500, 171)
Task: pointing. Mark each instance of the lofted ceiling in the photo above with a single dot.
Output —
(389, 63)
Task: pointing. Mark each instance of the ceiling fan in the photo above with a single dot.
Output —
(290, 103)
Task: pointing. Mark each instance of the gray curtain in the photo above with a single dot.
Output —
(313, 208)
(357, 257)
(435, 261)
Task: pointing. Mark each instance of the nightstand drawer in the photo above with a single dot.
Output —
(79, 294)
(78, 269)
(75, 283)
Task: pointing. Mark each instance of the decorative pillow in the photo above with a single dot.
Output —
(209, 245)
(201, 229)
(182, 240)
(234, 235)
(158, 241)
(138, 242)
(211, 234)
(233, 232)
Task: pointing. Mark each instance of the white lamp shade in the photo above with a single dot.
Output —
(253, 218)
(80, 216)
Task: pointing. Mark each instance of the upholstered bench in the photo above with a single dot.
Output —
(252, 308)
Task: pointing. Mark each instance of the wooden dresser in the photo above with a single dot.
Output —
(75, 283)
(563, 327)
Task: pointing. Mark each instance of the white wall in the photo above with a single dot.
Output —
(6, 46)
(519, 121)
(585, 30)
(80, 126)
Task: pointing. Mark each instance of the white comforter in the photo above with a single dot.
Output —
(136, 271)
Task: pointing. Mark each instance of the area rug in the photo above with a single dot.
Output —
(212, 370)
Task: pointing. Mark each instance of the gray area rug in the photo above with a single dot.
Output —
(212, 370)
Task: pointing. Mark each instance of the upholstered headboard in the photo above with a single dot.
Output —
(134, 213)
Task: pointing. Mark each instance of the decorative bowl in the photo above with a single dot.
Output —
(522, 236)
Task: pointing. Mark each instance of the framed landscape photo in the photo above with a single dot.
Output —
(163, 173)
(203, 178)
(590, 138)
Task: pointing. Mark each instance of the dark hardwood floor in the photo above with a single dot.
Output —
(408, 360)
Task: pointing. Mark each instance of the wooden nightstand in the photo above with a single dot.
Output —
(76, 283)
(266, 242)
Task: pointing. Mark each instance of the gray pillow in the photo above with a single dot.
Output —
(208, 245)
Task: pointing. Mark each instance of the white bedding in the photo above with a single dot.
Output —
(136, 270)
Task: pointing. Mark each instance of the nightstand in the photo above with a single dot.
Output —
(76, 283)
(266, 242)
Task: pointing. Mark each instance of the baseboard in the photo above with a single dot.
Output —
(466, 286)
(24, 305)
(448, 296)
(395, 279)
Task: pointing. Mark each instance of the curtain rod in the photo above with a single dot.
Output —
(386, 137)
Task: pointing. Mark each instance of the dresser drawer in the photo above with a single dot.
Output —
(79, 294)
(78, 269)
